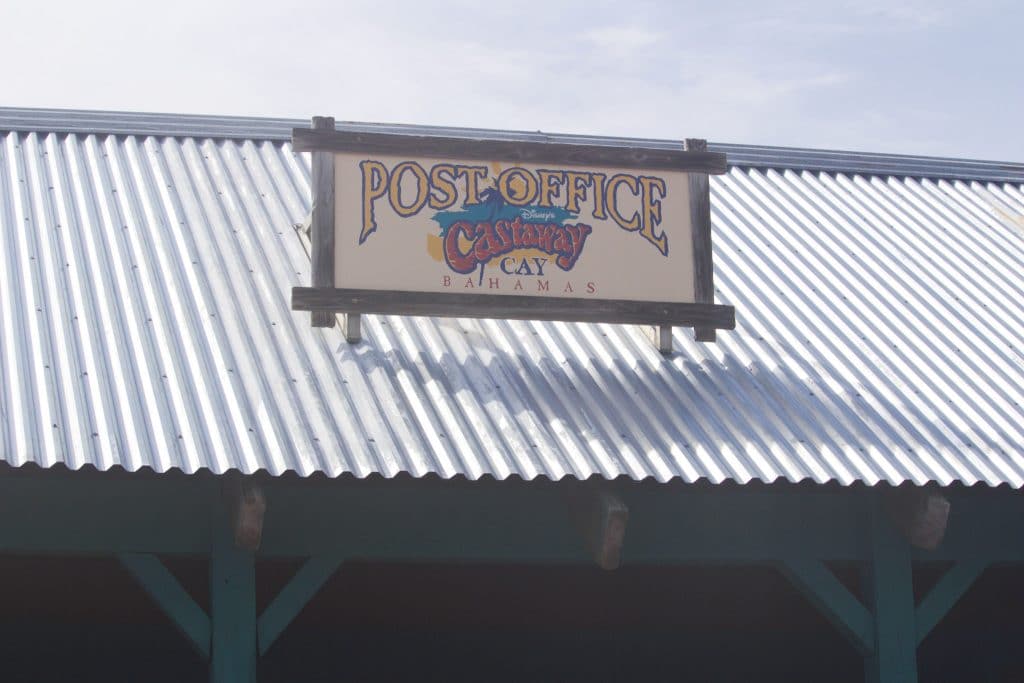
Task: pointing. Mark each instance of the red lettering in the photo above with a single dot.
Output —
(457, 260)
(528, 238)
(446, 281)
(516, 226)
(577, 236)
(545, 237)
(489, 241)
(591, 288)
(493, 283)
(502, 237)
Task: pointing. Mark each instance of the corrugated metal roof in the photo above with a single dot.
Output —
(752, 156)
(144, 322)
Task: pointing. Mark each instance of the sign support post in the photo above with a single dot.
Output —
(700, 219)
(321, 229)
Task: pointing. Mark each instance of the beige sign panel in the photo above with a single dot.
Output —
(469, 227)
(515, 228)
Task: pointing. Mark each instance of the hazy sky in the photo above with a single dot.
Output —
(906, 76)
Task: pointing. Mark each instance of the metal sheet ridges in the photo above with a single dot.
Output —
(145, 322)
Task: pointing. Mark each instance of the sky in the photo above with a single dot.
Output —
(900, 76)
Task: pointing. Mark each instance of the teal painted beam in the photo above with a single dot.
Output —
(890, 591)
(174, 600)
(443, 524)
(671, 526)
(232, 607)
(530, 523)
(429, 520)
(293, 597)
(946, 592)
(982, 523)
(819, 585)
(94, 514)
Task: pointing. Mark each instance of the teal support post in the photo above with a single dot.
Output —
(889, 591)
(174, 600)
(821, 587)
(950, 588)
(294, 596)
(232, 606)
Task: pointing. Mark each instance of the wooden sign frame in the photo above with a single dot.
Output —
(324, 300)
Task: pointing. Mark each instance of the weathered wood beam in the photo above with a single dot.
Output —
(821, 587)
(246, 507)
(661, 337)
(700, 222)
(513, 307)
(944, 594)
(174, 600)
(600, 516)
(920, 515)
(322, 220)
(353, 327)
(294, 596)
(523, 151)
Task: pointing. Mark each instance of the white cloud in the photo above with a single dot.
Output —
(903, 14)
(621, 40)
(788, 72)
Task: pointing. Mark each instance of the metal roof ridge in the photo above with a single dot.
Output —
(44, 120)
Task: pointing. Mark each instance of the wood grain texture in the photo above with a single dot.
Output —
(705, 334)
(322, 220)
(600, 516)
(353, 327)
(513, 307)
(247, 506)
(664, 334)
(306, 140)
(920, 515)
(700, 220)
